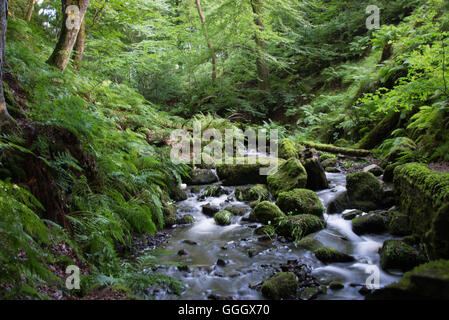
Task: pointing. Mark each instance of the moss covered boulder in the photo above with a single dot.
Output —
(266, 212)
(297, 227)
(223, 218)
(202, 176)
(287, 149)
(396, 254)
(373, 222)
(330, 255)
(309, 243)
(290, 175)
(214, 191)
(424, 197)
(364, 190)
(330, 162)
(243, 171)
(427, 281)
(300, 201)
(316, 176)
(339, 204)
(185, 219)
(399, 224)
(282, 286)
(169, 214)
(259, 192)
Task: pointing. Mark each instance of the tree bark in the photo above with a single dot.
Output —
(262, 66)
(79, 45)
(4, 115)
(209, 44)
(63, 50)
(31, 4)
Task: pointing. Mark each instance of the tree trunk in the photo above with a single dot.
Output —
(209, 44)
(71, 23)
(4, 115)
(79, 45)
(31, 4)
(262, 66)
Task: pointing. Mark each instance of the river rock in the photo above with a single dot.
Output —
(427, 281)
(364, 191)
(309, 243)
(287, 149)
(258, 193)
(329, 255)
(290, 175)
(266, 212)
(310, 293)
(183, 252)
(236, 174)
(223, 218)
(209, 210)
(339, 204)
(330, 162)
(168, 212)
(237, 210)
(190, 242)
(396, 254)
(332, 170)
(336, 285)
(265, 230)
(400, 224)
(299, 226)
(373, 222)
(351, 214)
(374, 169)
(316, 176)
(213, 191)
(282, 286)
(300, 201)
(221, 263)
(185, 219)
(202, 176)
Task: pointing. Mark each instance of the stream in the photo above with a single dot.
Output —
(250, 259)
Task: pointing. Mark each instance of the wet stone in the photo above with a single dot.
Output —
(221, 263)
(183, 252)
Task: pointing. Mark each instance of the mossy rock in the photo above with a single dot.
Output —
(266, 212)
(374, 169)
(290, 175)
(210, 210)
(214, 191)
(364, 190)
(389, 172)
(223, 218)
(309, 243)
(332, 170)
(237, 210)
(169, 214)
(399, 224)
(202, 176)
(316, 176)
(176, 193)
(370, 223)
(339, 204)
(265, 230)
(186, 219)
(330, 255)
(242, 171)
(325, 156)
(337, 150)
(282, 286)
(259, 192)
(396, 254)
(297, 227)
(330, 162)
(424, 197)
(287, 149)
(300, 201)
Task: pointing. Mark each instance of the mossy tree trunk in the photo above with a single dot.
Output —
(262, 66)
(4, 115)
(209, 43)
(79, 45)
(71, 23)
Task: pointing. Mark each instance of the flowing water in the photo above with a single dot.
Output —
(250, 260)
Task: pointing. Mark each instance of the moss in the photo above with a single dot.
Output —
(381, 131)
(282, 286)
(364, 190)
(370, 223)
(290, 175)
(236, 174)
(287, 149)
(424, 196)
(337, 150)
(237, 210)
(396, 254)
(399, 224)
(300, 201)
(325, 156)
(329, 255)
(309, 243)
(214, 191)
(186, 219)
(259, 192)
(266, 212)
(265, 230)
(169, 214)
(297, 227)
(427, 281)
(331, 162)
(223, 218)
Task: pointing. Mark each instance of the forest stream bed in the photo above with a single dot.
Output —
(231, 262)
